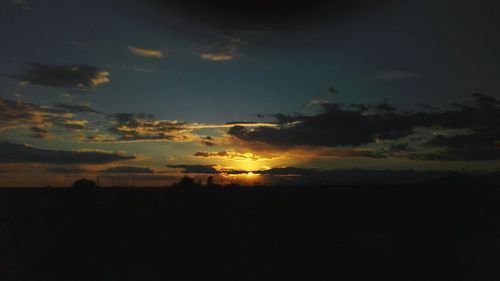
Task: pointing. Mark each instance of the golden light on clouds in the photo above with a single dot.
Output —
(242, 161)
(100, 78)
(217, 57)
(145, 52)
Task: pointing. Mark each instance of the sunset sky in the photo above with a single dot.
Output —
(147, 91)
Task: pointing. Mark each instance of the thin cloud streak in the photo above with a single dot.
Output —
(145, 52)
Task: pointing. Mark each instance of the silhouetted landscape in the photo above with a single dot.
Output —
(442, 230)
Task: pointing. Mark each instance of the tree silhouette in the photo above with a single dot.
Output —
(210, 181)
(84, 184)
(187, 182)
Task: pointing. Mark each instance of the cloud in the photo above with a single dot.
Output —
(333, 127)
(127, 170)
(16, 114)
(233, 155)
(316, 102)
(146, 177)
(63, 75)
(332, 91)
(393, 75)
(77, 108)
(40, 133)
(289, 171)
(196, 169)
(142, 127)
(464, 153)
(357, 153)
(144, 52)
(74, 124)
(136, 127)
(217, 56)
(208, 141)
(480, 145)
(299, 175)
(20, 153)
(361, 125)
(67, 170)
(353, 176)
(206, 169)
(225, 50)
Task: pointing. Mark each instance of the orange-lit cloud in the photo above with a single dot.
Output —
(234, 155)
(225, 50)
(128, 127)
(217, 56)
(17, 114)
(145, 52)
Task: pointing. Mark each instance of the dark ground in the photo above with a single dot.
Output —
(295, 233)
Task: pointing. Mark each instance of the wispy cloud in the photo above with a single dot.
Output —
(21, 153)
(145, 52)
(40, 119)
(40, 133)
(234, 155)
(225, 50)
(316, 102)
(131, 127)
(128, 170)
(218, 56)
(75, 107)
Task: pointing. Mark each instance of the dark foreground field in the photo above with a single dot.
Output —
(321, 233)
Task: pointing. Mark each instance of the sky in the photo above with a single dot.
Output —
(144, 92)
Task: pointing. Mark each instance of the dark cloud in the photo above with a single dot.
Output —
(333, 127)
(297, 175)
(338, 126)
(63, 75)
(290, 171)
(385, 106)
(20, 153)
(130, 127)
(264, 15)
(358, 125)
(233, 155)
(147, 177)
(39, 133)
(332, 91)
(77, 108)
(143, 127)
(464, 153)
(211, 154)
(196, 169)
(208, 141)
(132, 118)
(127, 170)
(67, 170)
(481, 145)
(359, 176)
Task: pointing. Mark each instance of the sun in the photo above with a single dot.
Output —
(250, 174)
